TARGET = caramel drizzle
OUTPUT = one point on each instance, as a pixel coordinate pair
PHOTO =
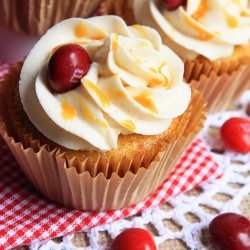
(201, 11)
(101, 96)
(197, 15)
(128, 124)
(243, 13)
(68, 111)
(203, 34)
(232, 21)
(115, 42)
(145, 100)
(90, 116)
(81, 31)
(118, 94)
(142, 30)
(159, 81)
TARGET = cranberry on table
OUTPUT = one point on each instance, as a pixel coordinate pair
(230, 231)
(248, 109)
(235, 133)
(134, 238)
(174, 4)
(68, 64)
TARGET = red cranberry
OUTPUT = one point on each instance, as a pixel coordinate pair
(248, 109)
(235, 133)
(68, 64)
(174, 4)
(134, 238)
(230, 231)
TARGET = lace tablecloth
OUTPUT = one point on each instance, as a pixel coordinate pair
(182, 222)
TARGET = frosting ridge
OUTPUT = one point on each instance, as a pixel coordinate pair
(211, 28)
(133, 85)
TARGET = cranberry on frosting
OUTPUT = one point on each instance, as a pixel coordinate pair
(134, 84)
(67, 66)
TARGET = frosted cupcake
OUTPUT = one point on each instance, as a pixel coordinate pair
(101, 110)
(214, 32)
(211, 36)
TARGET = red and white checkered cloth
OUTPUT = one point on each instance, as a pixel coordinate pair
(26, 216)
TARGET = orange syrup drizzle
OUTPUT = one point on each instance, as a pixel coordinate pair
(232, 21)
(68, 111)
(142, 30)
(201, 11)
(101, 96)
(90, 116)
(81, 31)
(115, 42)
(145, 100)
(129, 125)
(203, 34)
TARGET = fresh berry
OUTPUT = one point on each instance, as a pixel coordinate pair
(68, 64)
(235, 134)
(174, 4)
(134, 238)
(230, 231)
(248, 109)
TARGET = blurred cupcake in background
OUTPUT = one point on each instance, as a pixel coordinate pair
(215, 33)
(22, 22)
(34, 17)
(211, 36)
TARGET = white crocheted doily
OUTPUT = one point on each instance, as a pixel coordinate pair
(190, 213)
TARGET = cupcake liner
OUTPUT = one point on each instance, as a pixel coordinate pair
(97, 185)
(106, 8)
(34, 17)
(221, 90)
(122, 8)
(194, 69)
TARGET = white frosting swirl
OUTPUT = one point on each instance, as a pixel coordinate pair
(134, 85)
(211, 28)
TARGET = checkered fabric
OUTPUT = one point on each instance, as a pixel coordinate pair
(26, 216)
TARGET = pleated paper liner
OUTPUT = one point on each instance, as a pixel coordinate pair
(103, 184)
(221, 91)
(194, 69)
(35, 17)
(122, 8)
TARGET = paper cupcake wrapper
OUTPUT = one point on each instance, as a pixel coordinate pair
(35, 17)
(221, 91)
(75, 185)
(122, 8)
(194, 69)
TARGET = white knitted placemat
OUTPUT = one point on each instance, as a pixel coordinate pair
(186, 216)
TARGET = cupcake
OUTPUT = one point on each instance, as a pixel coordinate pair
(212, 37)
(34, 17)
(100, 115)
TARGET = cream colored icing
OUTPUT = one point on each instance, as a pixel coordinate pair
(134, 85)
(211, 28)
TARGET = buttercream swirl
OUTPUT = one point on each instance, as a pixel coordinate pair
(134, 84)
(211, 28)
